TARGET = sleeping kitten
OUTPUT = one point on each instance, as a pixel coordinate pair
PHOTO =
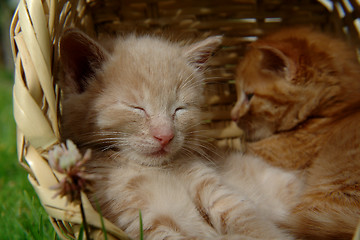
(299, 104)
(138, 108)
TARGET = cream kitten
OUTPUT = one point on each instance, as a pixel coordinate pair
(138, 108)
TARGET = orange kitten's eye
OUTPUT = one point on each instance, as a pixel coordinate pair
(249, 96)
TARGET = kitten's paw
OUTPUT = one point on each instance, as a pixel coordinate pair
(237, 237)
(242, 237)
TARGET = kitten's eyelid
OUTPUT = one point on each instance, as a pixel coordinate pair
(183, 106)
(138, 108)
(249, 96)
(135, 107)
(179, 109)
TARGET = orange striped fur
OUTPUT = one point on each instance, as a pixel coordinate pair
(299, 104)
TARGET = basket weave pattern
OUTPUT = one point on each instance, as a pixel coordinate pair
(38, 24)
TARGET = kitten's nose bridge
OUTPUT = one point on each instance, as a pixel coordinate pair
(241, 107)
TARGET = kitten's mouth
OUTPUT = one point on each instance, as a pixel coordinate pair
(162, 152)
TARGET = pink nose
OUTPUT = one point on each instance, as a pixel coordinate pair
(164, 139)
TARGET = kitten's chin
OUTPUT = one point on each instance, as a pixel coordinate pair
(255, 132)
(160, 153)
(257, 135)
(153, 159)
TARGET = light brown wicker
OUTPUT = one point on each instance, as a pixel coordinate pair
(35, 31)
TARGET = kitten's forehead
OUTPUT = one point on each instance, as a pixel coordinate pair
(147, 49)
(148, 69)
(148, 59)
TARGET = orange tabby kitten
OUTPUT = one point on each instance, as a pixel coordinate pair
(299, 104)
(138, 107)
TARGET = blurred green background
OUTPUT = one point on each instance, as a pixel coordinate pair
(21, 214)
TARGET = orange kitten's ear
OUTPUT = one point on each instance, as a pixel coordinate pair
(198, 53)
(80, 57)
(275, 61)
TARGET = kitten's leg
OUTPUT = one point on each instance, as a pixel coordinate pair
(275, 191)
(167, 211)
(322, 216)
(330, 205)
(228, 212)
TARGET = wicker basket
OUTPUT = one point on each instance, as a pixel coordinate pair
(38, 24)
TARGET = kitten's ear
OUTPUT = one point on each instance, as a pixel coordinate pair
(198, 53)
(80, 57)
(276, 61)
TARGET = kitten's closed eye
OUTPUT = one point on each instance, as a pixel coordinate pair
(140, 110)
(249, 96)
(136, 108)
(179, 110)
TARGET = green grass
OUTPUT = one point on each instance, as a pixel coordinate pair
(21, 214)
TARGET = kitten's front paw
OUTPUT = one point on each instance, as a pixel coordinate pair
(237, 237)
(242, 237)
